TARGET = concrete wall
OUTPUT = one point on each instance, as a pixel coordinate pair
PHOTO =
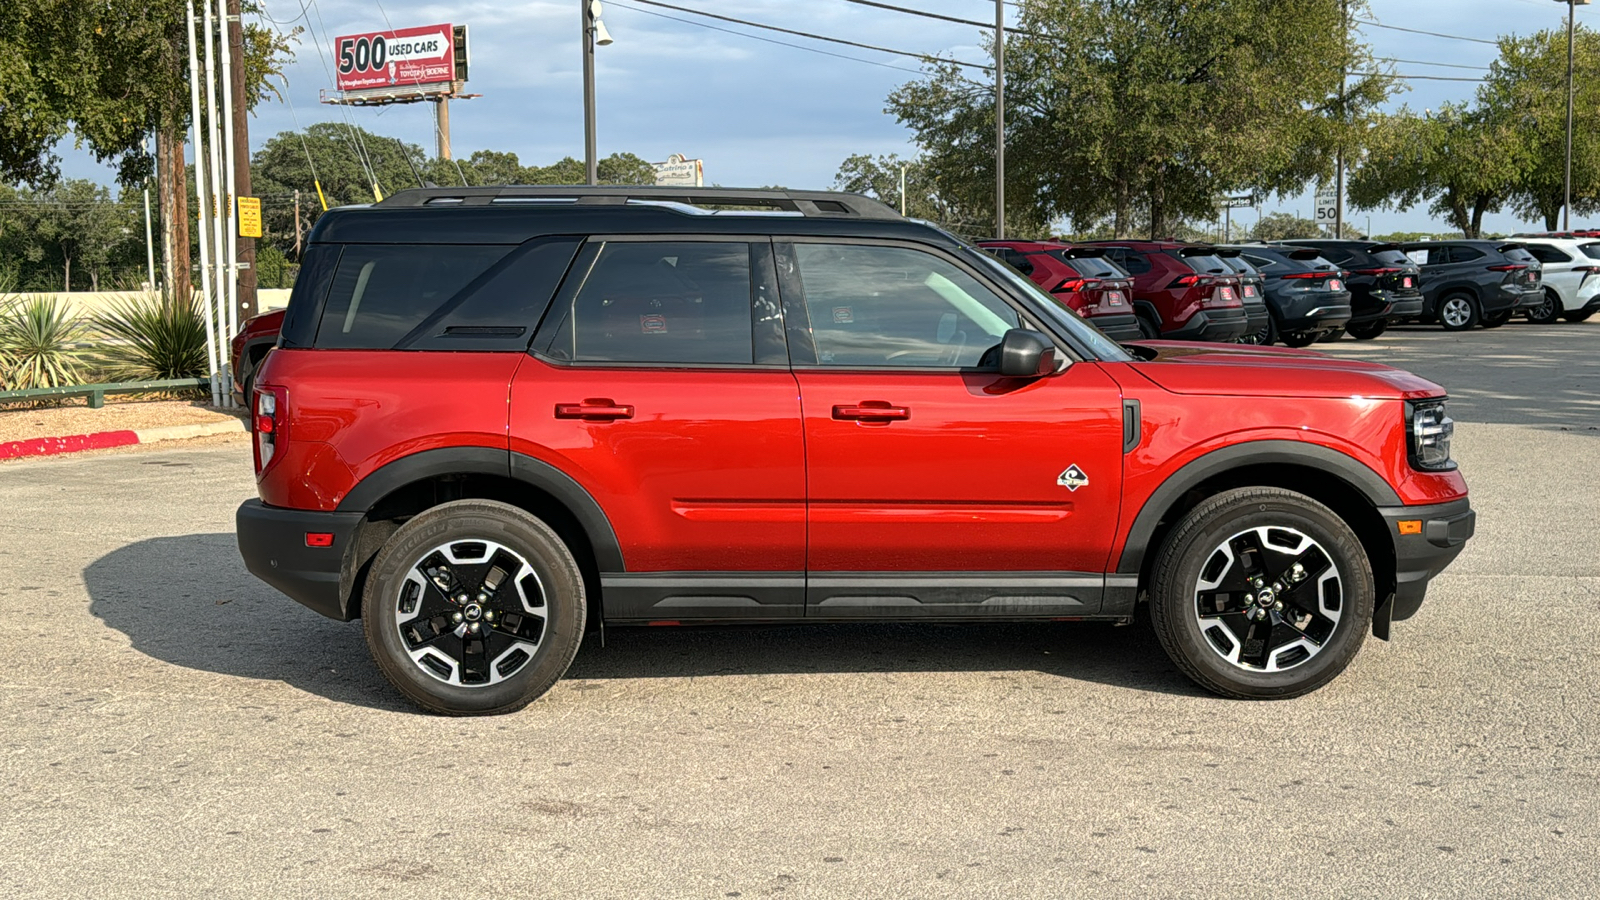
(87, 303)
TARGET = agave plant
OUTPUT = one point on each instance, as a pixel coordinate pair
(37, 334)
(152, 336)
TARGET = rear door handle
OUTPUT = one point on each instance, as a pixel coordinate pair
(871, 411)
(601, 410)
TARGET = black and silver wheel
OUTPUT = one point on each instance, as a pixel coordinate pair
(1548, 311)
(1366, 331)
(1262, 593)
(1301, 338)
(1458, 312)
(474, 607)
(1332, 336)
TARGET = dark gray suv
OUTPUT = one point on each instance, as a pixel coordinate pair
(1467, 283)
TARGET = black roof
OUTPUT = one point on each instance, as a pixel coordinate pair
(513, 214)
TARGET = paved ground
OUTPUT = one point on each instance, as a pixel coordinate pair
(170, 726)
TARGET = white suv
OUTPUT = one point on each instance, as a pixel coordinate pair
(1571, 278)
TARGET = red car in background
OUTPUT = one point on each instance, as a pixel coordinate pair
(1079, 278)
(1181, 292)
(256, 336)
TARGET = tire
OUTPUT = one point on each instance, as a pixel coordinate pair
(1148, 330)
(1221, 544)
(1263, 337)
(1548, 311)
(435, 666)
(1458, 312)
(1332, 336)
(1366, 331)
(1576, 317)
(1496, 320)
(1300, 338)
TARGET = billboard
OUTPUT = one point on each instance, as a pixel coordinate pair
(680, 171)
(404, 57)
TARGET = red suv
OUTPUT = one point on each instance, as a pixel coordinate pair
(496, 417)
(1181, 292)
(1080, 278)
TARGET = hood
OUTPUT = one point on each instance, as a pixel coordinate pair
(1243, 370)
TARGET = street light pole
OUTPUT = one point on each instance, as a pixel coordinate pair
(999, 119)
(594, 34)
(1566, 204)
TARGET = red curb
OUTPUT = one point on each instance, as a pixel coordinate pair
(72, 443)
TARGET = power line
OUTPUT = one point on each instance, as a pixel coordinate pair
(1420, 62)
(929, 57)
(1453, 37)
(1412, 77)
(757, 37)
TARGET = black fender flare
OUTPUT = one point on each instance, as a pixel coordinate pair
(499, 463)
(1352, 471)
(1147, 308)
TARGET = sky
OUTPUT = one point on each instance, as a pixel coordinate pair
(758, 112)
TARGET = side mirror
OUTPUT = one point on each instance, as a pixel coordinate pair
(1026, 354)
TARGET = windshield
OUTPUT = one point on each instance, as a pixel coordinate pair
(1102, 346)
(1395, 257)
(1237, 264)
(1207, 264)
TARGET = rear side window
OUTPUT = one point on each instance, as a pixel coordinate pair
(381, 292)
(1090, 266)
(1546, 253)
(1263, 263)
(1207, 264)
(669, 302)
(1519, 255)
(1131, 260)
(1463, 254)
(1591, 250)
(1337, 254)
(1395, 257)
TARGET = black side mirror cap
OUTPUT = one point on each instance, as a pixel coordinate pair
(1026, 354)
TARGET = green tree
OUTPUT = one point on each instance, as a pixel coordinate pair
(1463, 162)
(1157, 107)
(1284, 226)
(71, 235)
(1525, 92)
(879, 177)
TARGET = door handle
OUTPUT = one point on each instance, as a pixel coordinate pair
(877, 411)
(598, 410)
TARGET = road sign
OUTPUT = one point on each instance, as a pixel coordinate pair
(1327, 206)
(1242, 201)
(680, 171)
(249, 217)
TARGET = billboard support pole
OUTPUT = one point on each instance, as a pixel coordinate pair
(441, 126)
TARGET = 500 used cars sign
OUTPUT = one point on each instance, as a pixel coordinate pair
(400, 58)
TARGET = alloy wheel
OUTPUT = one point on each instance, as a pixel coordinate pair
(1456, 312)
(1268, 599)
(471, 613)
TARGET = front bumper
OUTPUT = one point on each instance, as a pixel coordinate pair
(1443, 531)
(272, 541)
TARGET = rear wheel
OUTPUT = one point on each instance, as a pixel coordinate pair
(1331, 336)
(1366, 331)
(1578, 316)
(1495, 320)
(1262, 593)
(1458, 312)
(1263, 336)
(1148, 329)
(1301, 338)
(474, 607)
(1546, 312)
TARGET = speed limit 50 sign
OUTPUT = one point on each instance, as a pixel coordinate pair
(1327, 205)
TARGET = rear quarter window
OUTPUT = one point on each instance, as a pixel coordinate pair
(381, 292)
(1546, 253)
(1591, 250)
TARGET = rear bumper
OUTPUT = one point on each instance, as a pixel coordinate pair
(272, 541)
(1317, 318)
(1211, 325)
(1120, 328)
(1444, 531)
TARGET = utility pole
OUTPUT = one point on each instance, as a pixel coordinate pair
(149, 239)
(902, 189)
(999, 119)
(246, 256)
(203, 199)
(297, 224)
(1338, 200)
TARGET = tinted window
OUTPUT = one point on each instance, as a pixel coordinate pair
(1394, 257)
(1017, 260)
(381, 292)
(1591, 250)
(1548, 254)
(1133, 261)
(1337, 254)
(1237, 265)
(1090, 266)
(1205, 264)
(1520, 255)
(1464, 254)
(499, 310)
(1263, 263)
(661, 302)
(892, 306)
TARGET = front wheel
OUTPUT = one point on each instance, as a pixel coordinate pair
(1262, 593)
(1548, 311)
(1366, 331)
(474, 607)
(1458, 312)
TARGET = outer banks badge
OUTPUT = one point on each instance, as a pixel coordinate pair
(1073, 478)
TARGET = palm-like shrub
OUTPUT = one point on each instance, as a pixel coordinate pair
(151, 337)
(36, 337)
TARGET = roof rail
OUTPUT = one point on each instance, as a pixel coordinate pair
(807, 203)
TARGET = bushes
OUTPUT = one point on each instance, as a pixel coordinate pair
(38, 335)
(152, 336)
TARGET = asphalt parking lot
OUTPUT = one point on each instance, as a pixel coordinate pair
(171, 726)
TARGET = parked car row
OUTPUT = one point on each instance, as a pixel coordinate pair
(1298, 292)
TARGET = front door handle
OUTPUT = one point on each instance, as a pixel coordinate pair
(594, 410)
(878, 411)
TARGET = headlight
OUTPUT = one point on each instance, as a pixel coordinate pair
(1428, 434)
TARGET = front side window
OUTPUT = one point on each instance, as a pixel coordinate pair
(672, 302)
(894, 306)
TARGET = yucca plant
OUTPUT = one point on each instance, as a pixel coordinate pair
(152, 336)
(36, 337)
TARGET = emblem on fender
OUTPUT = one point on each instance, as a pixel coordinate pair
(1073, 478)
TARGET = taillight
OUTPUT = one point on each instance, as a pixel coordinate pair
(1184, 281)
(1508, 267)
(1379, 272)
(1306, 275)
(271, 421)
(1069, 284)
